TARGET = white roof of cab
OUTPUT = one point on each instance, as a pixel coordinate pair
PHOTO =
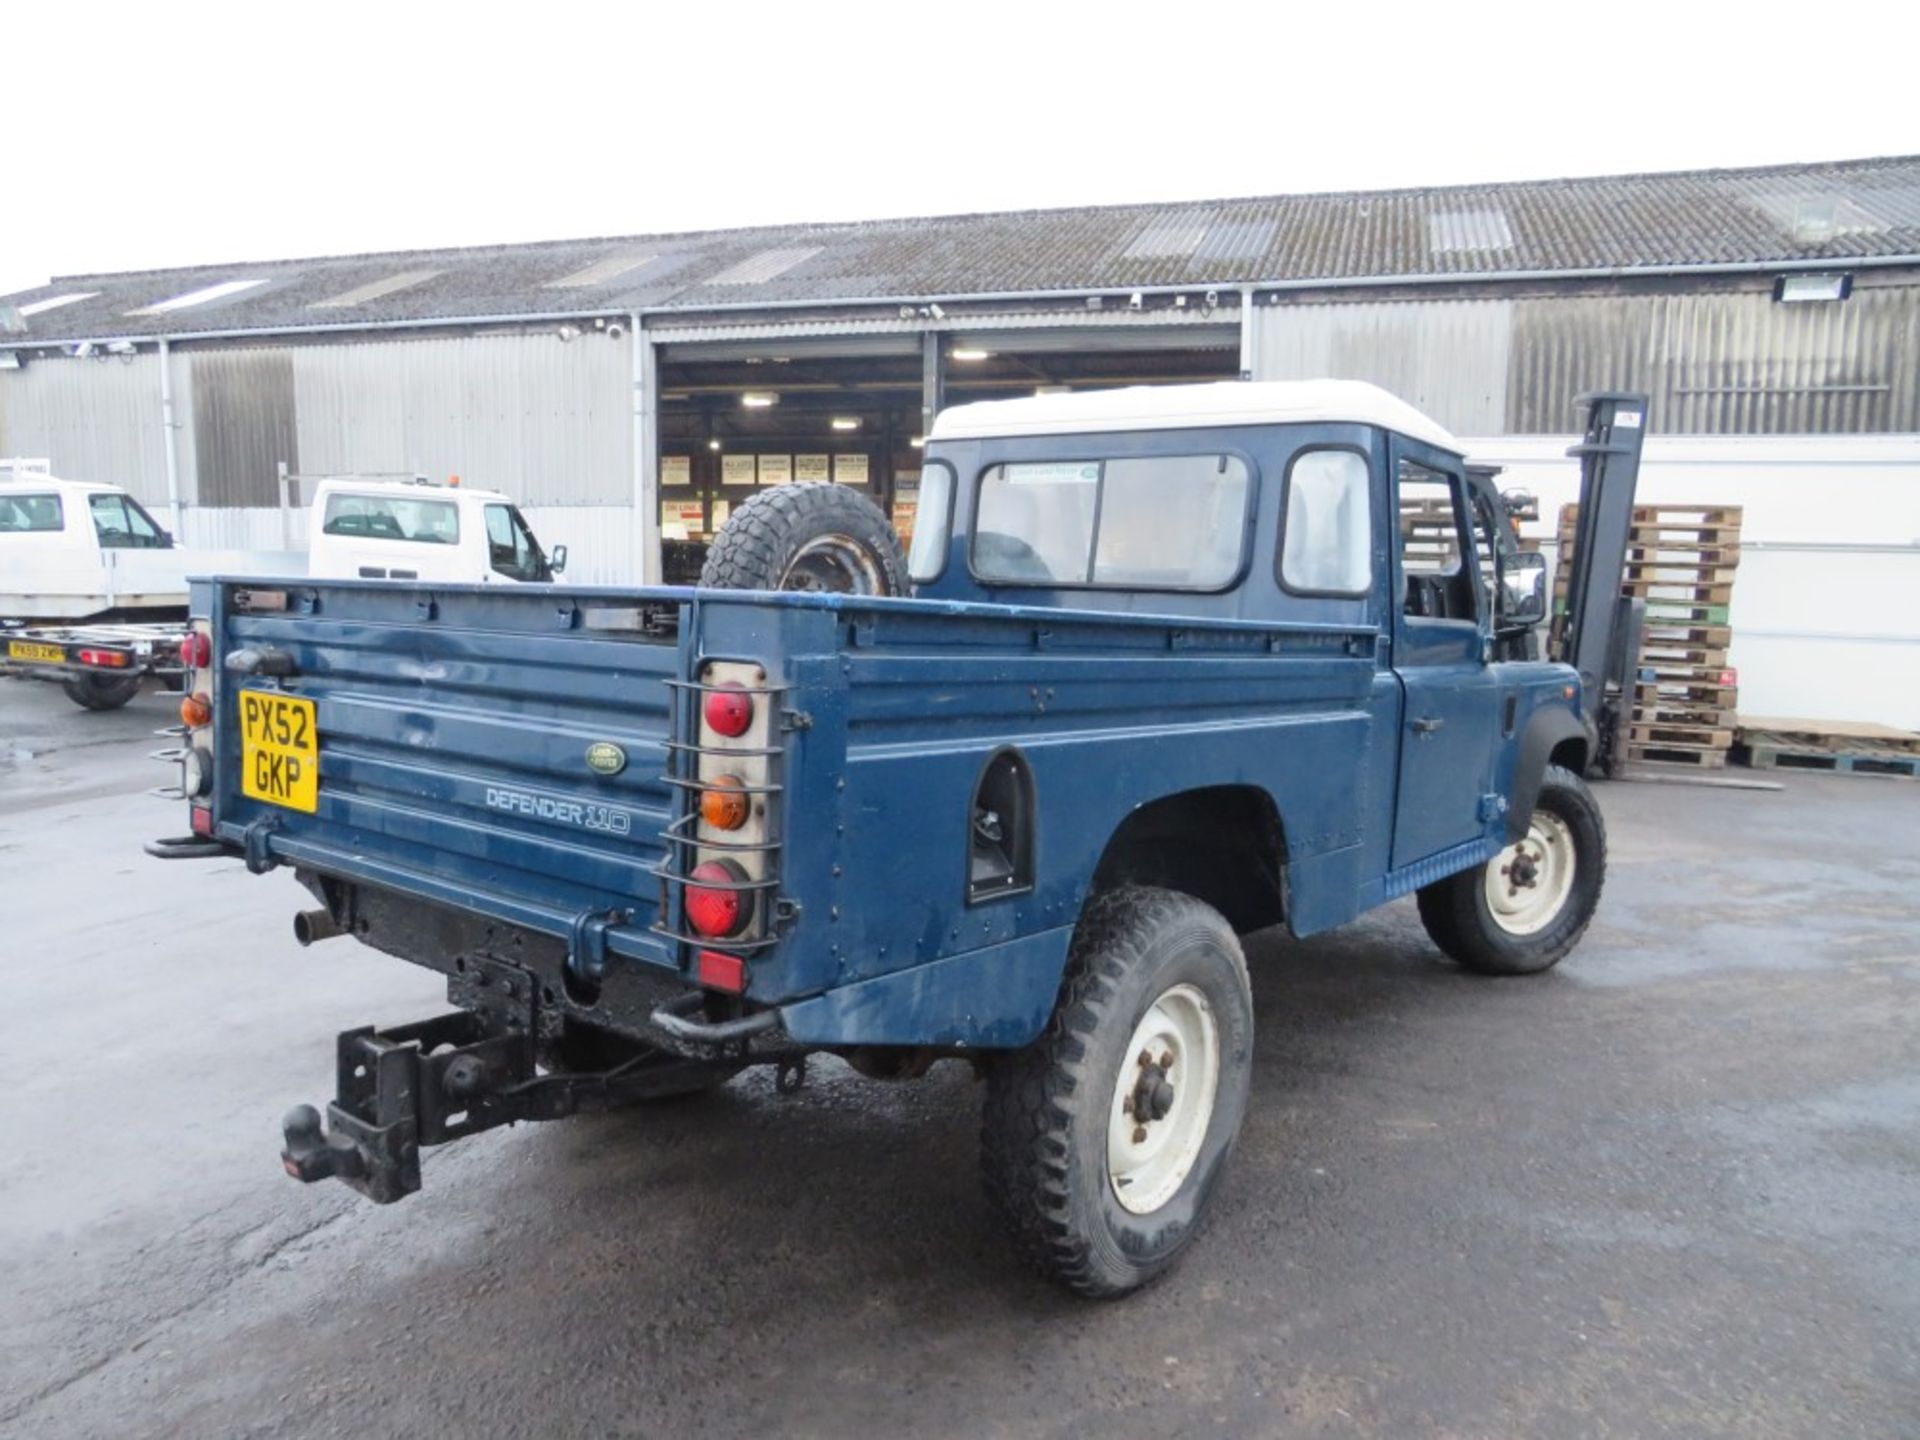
(406, 489)
(42, 484)
(1188, 407)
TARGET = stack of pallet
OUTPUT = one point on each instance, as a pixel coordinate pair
(1681, 561)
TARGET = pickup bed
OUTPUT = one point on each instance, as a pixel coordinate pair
(651, 836)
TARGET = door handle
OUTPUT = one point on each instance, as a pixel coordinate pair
(1427, 724)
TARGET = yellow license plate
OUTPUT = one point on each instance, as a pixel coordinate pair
(279, 750)
(43, 654)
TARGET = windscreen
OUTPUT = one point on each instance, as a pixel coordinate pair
(1159, 522)
(382, 517)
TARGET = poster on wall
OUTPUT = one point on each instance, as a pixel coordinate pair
(682, 519)
(736, 470)
(906, 503)
(676, 469)
(850, 469)
(776, 469)
(721, 509)
(812, 469)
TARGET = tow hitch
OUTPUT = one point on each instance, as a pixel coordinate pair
(452, 1076)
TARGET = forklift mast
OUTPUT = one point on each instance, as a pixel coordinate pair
(1600, 634)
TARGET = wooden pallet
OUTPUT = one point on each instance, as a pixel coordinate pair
(1681, 737)
(1839, 762)
(1836, 735)
(1679, 632)
(1684, 714)
(1666, 755)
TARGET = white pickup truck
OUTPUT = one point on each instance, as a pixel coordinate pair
(93, 591)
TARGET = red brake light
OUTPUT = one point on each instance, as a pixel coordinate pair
(729, 710)
(116, 659)
(202, 820)
(722, 972)
(196, 650)
(715, 911)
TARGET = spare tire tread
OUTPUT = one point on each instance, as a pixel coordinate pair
(760, 538)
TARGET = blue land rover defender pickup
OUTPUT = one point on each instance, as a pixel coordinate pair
(1177, 664)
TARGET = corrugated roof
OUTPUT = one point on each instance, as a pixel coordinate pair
(1844, 211)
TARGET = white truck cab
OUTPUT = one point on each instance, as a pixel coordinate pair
(417, 530)
(70, 550)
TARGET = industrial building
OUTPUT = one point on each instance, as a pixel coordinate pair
(617, 385)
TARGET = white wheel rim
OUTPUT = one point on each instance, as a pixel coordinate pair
(1529, 881)
(1176, 1043)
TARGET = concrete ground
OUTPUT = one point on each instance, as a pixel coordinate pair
(1671, 1189)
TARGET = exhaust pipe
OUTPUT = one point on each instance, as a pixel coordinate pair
(312, 925)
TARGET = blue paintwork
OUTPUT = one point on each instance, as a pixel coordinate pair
(431, 702)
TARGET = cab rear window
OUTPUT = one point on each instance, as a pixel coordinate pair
(23, 513)
(1153, 522)
(380, 517)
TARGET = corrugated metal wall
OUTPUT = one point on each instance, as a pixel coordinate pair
(243, 425)
(95, 419)
(549, 422)
(1715, 364)
(1734, 364)
(1446, 357)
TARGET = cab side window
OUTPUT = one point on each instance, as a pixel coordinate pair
(123, 526)
(1440, 579)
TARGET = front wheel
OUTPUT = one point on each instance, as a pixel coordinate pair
(1525, 909)
(1101, 1140)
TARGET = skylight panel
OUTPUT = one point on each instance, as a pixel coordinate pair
(1453, 232)
(54, 302)
(1170, 237)
(376, 289)
(758, 269)
(605, 270)
(204, 296)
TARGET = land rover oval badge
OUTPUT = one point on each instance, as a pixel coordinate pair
(606, 758)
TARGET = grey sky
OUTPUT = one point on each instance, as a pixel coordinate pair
(196, 133)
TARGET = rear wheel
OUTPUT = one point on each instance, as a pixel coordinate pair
(1103, 1138)
(808, 537)
(101, 692)
(1525, 909)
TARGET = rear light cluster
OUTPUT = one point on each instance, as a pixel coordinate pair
(109, 659)
(725, 888)
(196, 714)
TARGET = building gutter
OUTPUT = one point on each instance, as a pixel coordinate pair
(920, 305)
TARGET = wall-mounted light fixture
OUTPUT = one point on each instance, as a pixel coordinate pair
(1797, 289)
(846, 422)
(759, 400)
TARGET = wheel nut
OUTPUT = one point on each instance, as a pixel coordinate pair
(1146, 1058)
(1166, 1061)
(1139, 1134)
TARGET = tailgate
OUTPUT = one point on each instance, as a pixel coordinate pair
(481, 748)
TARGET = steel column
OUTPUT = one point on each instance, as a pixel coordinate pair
(646, 453)
(168, 450)
(933, 380)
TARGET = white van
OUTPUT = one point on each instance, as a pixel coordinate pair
(79, 552)
(401, 530)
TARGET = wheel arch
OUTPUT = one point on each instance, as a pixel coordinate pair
(1552, 737)
(1222, 844)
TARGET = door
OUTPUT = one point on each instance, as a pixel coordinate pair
(1440, 649)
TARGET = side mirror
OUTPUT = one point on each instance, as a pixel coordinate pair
(557, 562)
(1523, 589)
